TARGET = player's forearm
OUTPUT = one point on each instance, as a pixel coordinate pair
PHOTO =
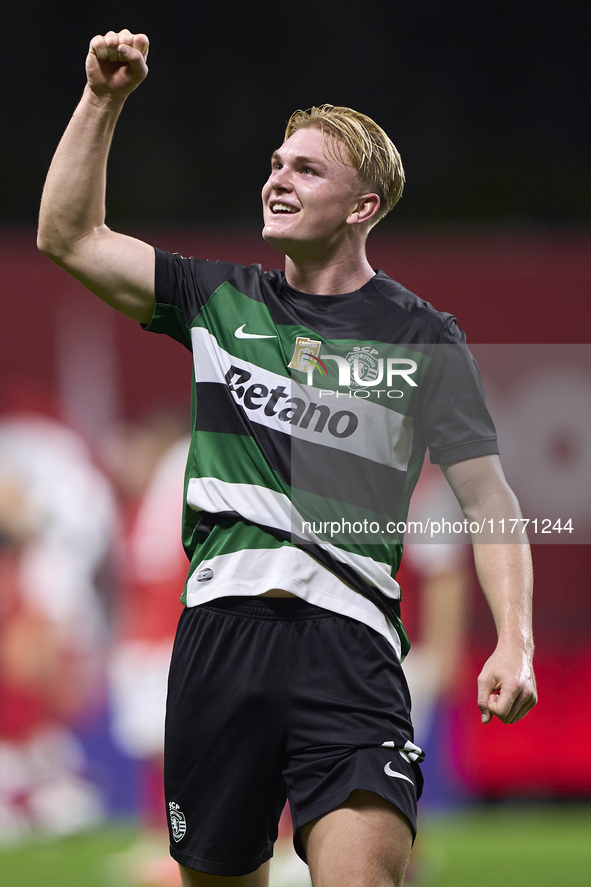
(503, 567)
(506, 685)
(505, 575)
(501, 550)
(73, 202)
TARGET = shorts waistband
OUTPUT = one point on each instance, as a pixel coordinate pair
(271, 608)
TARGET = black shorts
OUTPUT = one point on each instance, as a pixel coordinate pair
(271, 698)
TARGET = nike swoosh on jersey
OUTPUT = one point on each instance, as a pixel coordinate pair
(389, 772)
(240, 334)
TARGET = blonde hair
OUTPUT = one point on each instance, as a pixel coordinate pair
(370, 151)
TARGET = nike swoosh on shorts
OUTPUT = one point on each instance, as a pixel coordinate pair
(389, 772)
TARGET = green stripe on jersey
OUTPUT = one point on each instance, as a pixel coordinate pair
(233, 458)
(228, 310)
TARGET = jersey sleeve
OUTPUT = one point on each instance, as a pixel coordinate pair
(454, 417)
(182, 287)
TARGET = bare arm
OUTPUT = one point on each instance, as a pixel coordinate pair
(72, 230)
(506, 686)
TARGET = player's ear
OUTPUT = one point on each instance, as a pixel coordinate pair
(365, 209)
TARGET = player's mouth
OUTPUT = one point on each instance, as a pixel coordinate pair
(278, 208)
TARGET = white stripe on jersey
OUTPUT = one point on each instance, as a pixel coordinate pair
(262, 506)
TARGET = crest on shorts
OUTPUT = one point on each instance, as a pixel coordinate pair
(178, 823)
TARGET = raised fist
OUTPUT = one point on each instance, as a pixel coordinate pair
(116, 63)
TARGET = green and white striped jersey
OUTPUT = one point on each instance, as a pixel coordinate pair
(311, 416)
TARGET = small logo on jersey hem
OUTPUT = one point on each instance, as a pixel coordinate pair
(240, 334)
(178, 823)
(205, 575)
(389, 772)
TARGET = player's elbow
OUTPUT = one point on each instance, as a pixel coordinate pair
(44, 243)
(49, 251)
(71, 252)
(51, 244)
(59, 240)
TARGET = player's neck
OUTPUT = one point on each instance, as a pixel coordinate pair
(329, 277)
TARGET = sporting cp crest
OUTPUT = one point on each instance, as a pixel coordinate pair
(364, 366)
(304, 350)
(178, 823)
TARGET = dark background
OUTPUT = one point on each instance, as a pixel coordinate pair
(488, 103)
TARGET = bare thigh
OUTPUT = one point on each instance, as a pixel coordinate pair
(365, 842)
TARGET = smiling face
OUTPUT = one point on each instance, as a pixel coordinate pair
(310, 197)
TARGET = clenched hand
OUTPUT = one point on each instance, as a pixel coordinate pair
(116, 63)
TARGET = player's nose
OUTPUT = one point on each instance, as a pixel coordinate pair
(280, 179)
